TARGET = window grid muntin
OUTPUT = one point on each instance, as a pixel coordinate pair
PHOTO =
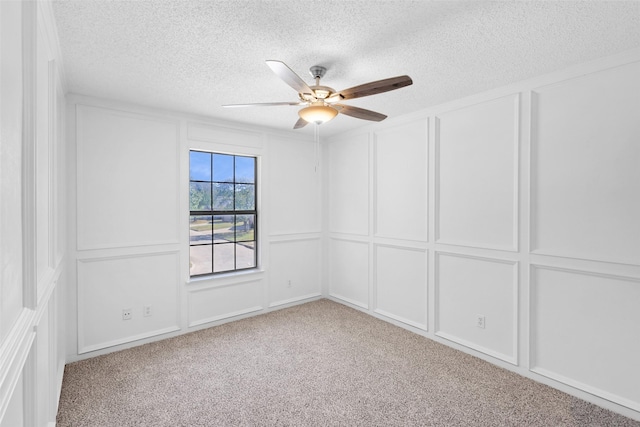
(235, 213)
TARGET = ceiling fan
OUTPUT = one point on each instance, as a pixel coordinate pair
(322, 103)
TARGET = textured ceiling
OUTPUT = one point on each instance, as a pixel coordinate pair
(194, 56)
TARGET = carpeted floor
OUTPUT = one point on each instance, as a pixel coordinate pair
(316, 364)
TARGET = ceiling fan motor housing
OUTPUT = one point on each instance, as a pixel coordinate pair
(317, 71)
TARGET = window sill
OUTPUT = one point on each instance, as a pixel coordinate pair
(223, 276)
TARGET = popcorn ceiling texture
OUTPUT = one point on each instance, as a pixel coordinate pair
(194, 56)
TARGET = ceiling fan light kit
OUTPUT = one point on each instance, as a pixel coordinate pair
(322, 101)
(317, 113)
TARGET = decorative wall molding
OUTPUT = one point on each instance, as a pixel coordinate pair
(224, 135)
(230, 315)
(212, 283)
(126, 256)
(224, 279)
(349, 147)
(82, 322)
(296, 299)
(534, 335)
(587, 388)
(113, 343)
(515, 217)
(14, 352)
(349, 300)
(534, 169)
(422, 121)
(250, 308)
(513, 358)
(79, 175)
(401, 244)
(376, 309)
(274, 239)
(332, 286)
(29, 167)
(344, 237)
(409, 322)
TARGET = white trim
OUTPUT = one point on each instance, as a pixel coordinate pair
(374, 184)
(515, 285)
(295, 299)
(534, 168)
(587, 388)
(14, 352)
(82, 348)
(79, 170)
(349, 300)
(86, 349)
(401, 244)
(374, 304)
(29, 166)
(415, 324)
(225, 316)
(473, 346)
(355, 238)
(533, 333)
(190, 118)
(51, 31)
(200, 283)
(514, 247)
(294, 237)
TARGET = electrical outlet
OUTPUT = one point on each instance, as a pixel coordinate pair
(146, 311)
(480, 321)
(126, 314)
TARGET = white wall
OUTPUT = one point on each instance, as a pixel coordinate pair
(520, 206)
(129, 243)
(32, 208)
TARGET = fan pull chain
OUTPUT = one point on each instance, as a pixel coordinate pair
(316, 135)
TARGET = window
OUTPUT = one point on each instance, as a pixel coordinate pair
(222, 213)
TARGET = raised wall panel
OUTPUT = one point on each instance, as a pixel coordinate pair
(294, 270)
(468, 287)
(106, 286)
(221, 302)
(43, 370)
(60, 177)
(401, 284)
(477, 175)
(224, 135)
(294, 202)
(349, 271)
(44, 149)
(11, 106)
(585, 167)
(401, 181)
(585, 328)
(127, 179)
(14, 414)
(349, 185)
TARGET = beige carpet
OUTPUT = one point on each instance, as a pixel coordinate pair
(317, 364)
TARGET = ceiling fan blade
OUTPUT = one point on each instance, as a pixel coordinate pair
(360, 113)
(292, 79)
(300, 123)
(379, 86)
(264, 104)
